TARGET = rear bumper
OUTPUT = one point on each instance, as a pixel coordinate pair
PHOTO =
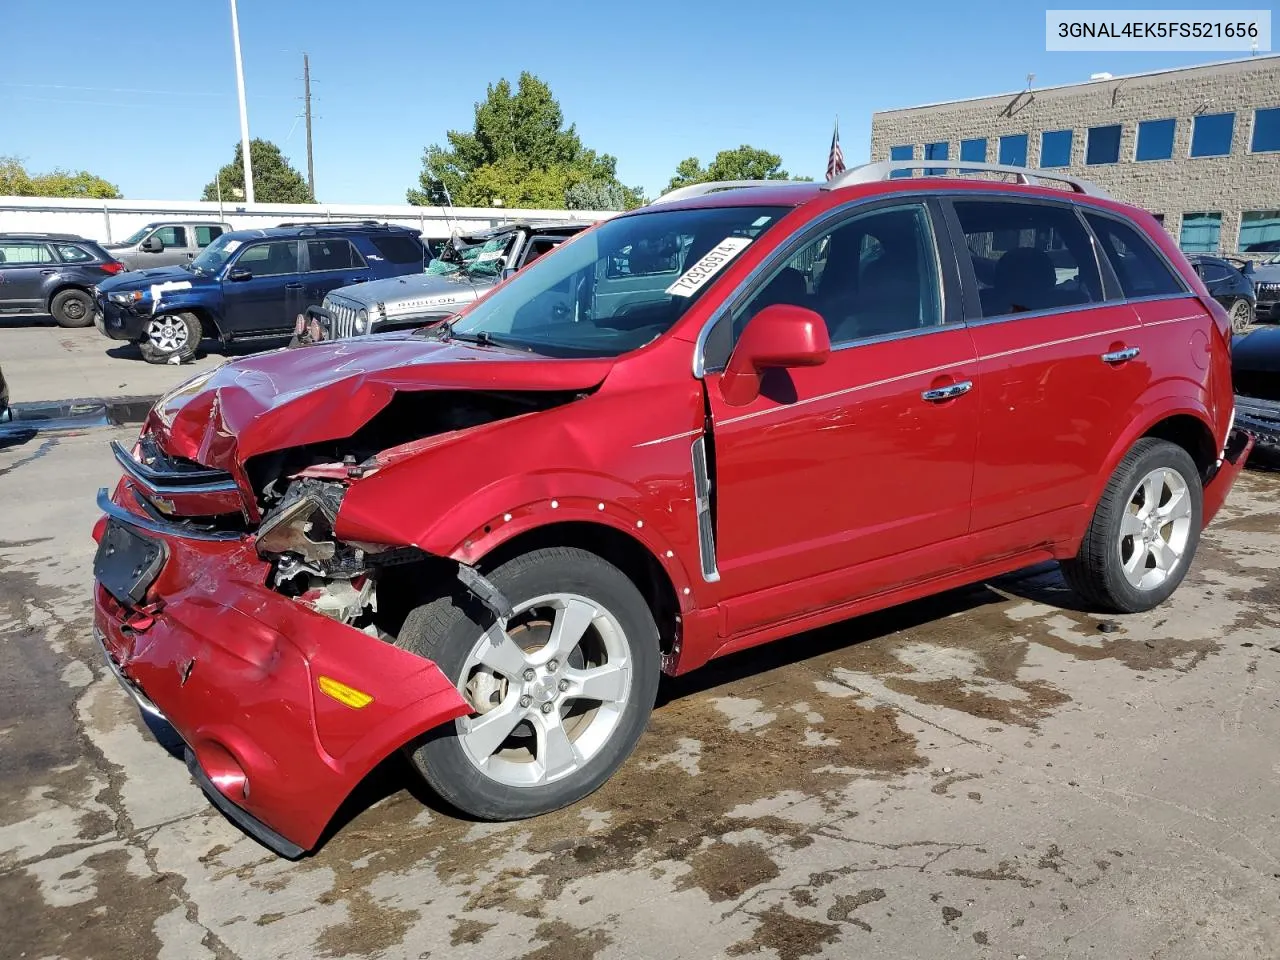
(1239, 445)
(234, 668)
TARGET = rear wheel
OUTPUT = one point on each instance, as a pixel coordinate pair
(559, 696)
(1241, 316)
(72, 308)
(170, 338)
(1144, 532)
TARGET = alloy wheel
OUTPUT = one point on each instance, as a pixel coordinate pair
(168, 334)
(1241, 316)
(1155, 528)
(548, 687)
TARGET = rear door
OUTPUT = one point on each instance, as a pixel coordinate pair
(1061, 363)
(24, 266)
(269, 297)
(853, 477)
(331, 262)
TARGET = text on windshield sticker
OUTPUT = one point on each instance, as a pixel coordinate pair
(696, 276)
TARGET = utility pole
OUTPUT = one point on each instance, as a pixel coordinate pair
(306, 99)
(244, 113)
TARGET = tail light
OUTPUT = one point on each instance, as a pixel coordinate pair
(112, 267)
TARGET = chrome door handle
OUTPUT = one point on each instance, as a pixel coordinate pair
(1120, 356)
(949, 392)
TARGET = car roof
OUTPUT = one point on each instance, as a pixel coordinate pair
(75, 237)
(534, 226)
(320, 229)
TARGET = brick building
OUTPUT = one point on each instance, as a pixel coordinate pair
(1197, 146)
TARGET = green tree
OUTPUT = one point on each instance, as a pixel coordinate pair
(521, 153)
(274, 181)
(15, 181)
(744, 163)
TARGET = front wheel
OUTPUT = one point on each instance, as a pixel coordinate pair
(1144, 532)
(559, 697)
(171, 338)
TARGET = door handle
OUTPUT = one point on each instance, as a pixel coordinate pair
(1120, 356)
(48, 273)
(293, 286)
(949, 392)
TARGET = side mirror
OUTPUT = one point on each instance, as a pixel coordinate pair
(507, 273)
(780, 335)
(239, 274)
(153, 244)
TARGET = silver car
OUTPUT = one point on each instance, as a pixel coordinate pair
(164, 243)
(469, 266)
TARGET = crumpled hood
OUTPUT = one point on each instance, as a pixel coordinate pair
(297, 396)
(146, 279)
(415, 292)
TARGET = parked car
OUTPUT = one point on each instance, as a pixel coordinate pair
(1266, 286)
(731, 416)
(249, 284)
(1230, 285)
(166, 242)
(52, 273)
(1255, 367)
(466, 269)
(5, 413)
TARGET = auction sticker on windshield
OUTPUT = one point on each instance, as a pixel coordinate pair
(696, 276)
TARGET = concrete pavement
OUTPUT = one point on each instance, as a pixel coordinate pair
(986, 774)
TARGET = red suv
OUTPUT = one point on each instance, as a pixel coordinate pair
(739, 413)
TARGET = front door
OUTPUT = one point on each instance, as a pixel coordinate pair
(267, 295)
(332, 262)
(853, 477)
(24, 266)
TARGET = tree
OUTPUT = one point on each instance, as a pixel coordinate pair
(15, 181)
(519, 153)
(744, 163)
(274, 181)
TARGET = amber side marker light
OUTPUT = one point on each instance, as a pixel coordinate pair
(356, 699)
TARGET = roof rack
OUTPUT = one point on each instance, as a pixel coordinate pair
(883, 169)
(715, 186)
(333, 223)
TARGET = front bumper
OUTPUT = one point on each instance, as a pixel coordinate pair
(1268, 311)
(1262, 419)
(117, 321)
(235, 669)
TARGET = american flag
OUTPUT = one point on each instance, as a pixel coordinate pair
(835, 161)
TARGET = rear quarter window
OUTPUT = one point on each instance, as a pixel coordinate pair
(1142, 272)
(398, 248)
(70, 253)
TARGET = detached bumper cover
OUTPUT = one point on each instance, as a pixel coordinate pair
(1239, 445)
(234, 667)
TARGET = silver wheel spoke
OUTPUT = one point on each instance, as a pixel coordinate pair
(1179, 506)
(607, 684)
(571, 623)
(500, 654)
(1137, 562)
(556, 752)
(485, 734)
(1165, 556)
(1131, 524)
(1150, 495)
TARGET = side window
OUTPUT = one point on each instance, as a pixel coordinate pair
(399, 248)
(70, 253)
(206, 235)
(538, 246)
(173, 236)
(270, 259)
(872, 275)
(1141, 271)
(24, 254)
(333, 254)
(648, 257)
(1028, 256)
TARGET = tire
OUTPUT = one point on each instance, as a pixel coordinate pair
(170, 336)
(512, 779)
(1241, 316)
(1120, 567)
(72, 308)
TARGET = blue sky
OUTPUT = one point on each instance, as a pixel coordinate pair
(144, 94)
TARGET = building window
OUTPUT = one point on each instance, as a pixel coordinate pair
(1260, 231)
(935, 151)
(1155, 140)
(1266, 130)
(1055, 148)
(1013, 150)
(974, 151)
(1211, 134)
(1200, 232)
(1103, 145)
(904, 152)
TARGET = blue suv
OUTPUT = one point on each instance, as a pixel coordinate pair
(250, 284)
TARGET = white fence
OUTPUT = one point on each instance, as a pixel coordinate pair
(114, 220)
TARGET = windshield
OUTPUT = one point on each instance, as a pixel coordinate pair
(483, 259)
(618, 286)
(215, 255)
(137, 236)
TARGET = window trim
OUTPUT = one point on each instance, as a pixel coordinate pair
(363, 265)
(827, 221)
(1231, 140)
(1173, 140)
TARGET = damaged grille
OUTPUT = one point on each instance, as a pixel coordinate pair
(177, 487)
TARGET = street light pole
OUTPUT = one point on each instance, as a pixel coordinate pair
(244, 113)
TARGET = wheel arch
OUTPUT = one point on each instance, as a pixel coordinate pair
(209, 326)
(62, 287)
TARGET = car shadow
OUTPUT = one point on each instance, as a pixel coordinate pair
(27, 320)
(241, 348)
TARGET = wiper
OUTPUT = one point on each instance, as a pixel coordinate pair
(481, 337)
